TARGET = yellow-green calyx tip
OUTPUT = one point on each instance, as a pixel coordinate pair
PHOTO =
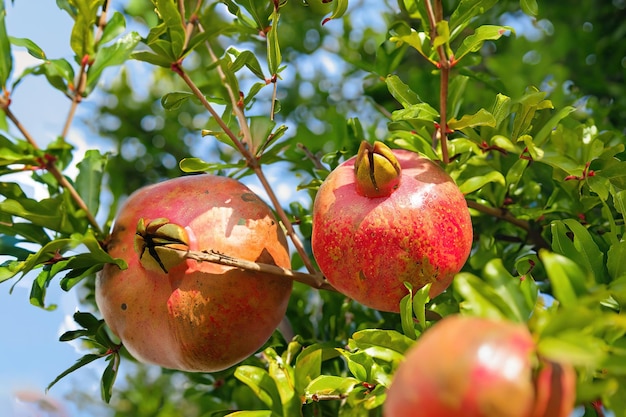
(161, 245)
(377, 170)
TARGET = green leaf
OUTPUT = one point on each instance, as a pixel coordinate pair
(328, 386)
(32, 48)
(388, 345)
(418, 40)
(6, 60)
(477, 182)
(615, 260)
(255, 413)
(579, 248)
(174, 28)
(340, 9)
(402, 92)
(309, 364)
(479, 298)
(566, 277)
(406, 314)
(89, 179)
(465, 12)
(110, 56)
(108, 376)
(113, 28)
(82, 38)
(480, 118)
(474, 42)
(573, 347)
(262, 384)
(152, 58)
(84, 360)
(175, 99)
(247, 59)
(274, 56)
(529, 7)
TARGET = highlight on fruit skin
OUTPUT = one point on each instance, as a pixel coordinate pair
(416, 227)
(184, 314)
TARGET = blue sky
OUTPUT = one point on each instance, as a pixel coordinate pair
(30, 354)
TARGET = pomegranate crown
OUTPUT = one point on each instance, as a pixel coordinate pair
(377, 170)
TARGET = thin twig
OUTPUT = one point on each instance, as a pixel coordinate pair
(500, 214)
(316, 281)
(444, 66)
(56, 173)
(247, 152)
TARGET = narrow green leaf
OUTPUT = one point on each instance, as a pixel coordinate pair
(615, 260)
(108, 376)
(274, 57)
(479, 298)
(566, 277)
(587, 248)
(168, 11)
(89, 179)
(406, 314)
(529, 7)
(82, 37)
(330, 386)
(262, 384)
(110, 56)
(175, 99)
(32, 48)
(481, 118)
(85, 360)
(247, 59)
(402, 92)
(465, 12)
(475, 41)
(340, 9)
(6, 60)
(152, 58)
(418, 40)
(113, 28)
(390, 340)
(477, 182)
(255, 413)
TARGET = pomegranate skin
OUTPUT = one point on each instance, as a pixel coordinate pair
(368, 247)
(199, 316)
(470, 367)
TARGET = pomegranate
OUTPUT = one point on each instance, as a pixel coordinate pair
(183, 314)
(475, 367)
(387, 217)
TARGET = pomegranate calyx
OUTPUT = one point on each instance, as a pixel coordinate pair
(377, 170)
(154, 241)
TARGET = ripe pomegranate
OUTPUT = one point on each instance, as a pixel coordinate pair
(387, 217)
(183, 314)
(475, 367)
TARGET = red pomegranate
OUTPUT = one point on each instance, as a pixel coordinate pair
(189, 315)
(387, 217)
(475, 367)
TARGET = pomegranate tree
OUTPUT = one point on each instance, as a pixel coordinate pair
(386, 217)
(474, 367)
(180, 313)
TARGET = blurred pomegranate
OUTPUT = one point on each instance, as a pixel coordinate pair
(474, 367)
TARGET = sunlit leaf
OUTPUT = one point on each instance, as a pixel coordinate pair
(32, 48)
(475, 41)
(6, 60)
(480, 118)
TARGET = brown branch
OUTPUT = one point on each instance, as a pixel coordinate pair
(534, 235)
(54, 170)
(313, 280)
(246, 151)
(444, 65)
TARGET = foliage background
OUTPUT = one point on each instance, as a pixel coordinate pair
(333, 74)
